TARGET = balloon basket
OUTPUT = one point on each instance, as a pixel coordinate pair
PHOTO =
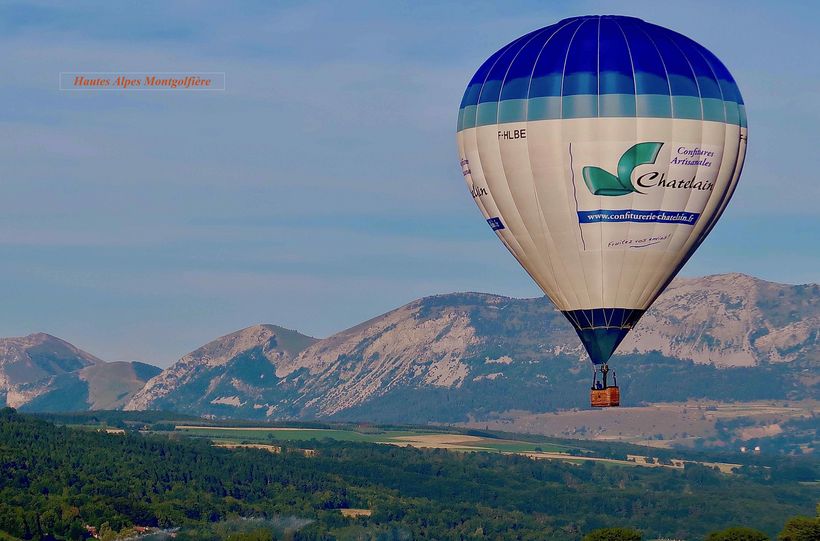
(605, 398)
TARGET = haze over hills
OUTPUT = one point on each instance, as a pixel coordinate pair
(467, 355)
(44, 373)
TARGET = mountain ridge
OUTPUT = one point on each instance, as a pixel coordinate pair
(460, 345)
(450, 357)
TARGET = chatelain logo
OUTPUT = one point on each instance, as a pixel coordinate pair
(602, 182)
(475, 191)
(478, 191)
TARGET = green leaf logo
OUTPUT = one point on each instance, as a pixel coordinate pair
(601, 182)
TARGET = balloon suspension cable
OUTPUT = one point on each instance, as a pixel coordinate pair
(604, 381)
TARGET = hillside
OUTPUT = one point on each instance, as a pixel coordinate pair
(234, 373)
(469, 355)
(56, 480)
(44, 373)
(732, 320)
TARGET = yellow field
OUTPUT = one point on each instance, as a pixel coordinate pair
(250, 428)
(441, 441)
(256, 438)
(355, 513)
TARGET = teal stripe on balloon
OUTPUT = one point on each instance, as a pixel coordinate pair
(686, 107)
(714, 109)
(512, 111)
(580, 106)
(616, 105)
(732, 113)
(487, 113)
(654, 105)
(468, 118)
(602, 105)
(546, 108)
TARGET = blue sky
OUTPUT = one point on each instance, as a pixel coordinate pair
(322, 187)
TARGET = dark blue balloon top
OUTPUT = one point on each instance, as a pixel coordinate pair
(601, 66)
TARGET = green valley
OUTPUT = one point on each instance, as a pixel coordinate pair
(56, 480)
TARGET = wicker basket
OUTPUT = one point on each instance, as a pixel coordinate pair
(604, 398)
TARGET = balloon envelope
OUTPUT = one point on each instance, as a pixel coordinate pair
(602, 150)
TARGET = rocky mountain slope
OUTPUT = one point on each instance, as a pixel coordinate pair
(234, 373)
(44, 373)
(731, 320)
(467, 355)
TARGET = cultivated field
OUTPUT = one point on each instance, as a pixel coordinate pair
(416, 438)
(260, 438)
(658, 425)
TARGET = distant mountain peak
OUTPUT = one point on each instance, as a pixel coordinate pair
(43, 372)
(47, 354)
(254, 352)
(42, 339)
(269, 337)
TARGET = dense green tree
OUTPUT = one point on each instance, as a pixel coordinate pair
(801, 529)
(613, 534)
(738, 533)
(54, 480)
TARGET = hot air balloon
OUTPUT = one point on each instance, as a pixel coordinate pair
(602, 150)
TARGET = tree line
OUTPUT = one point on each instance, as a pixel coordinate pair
(55, 481)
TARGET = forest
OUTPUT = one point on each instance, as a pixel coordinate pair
(56, 481)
